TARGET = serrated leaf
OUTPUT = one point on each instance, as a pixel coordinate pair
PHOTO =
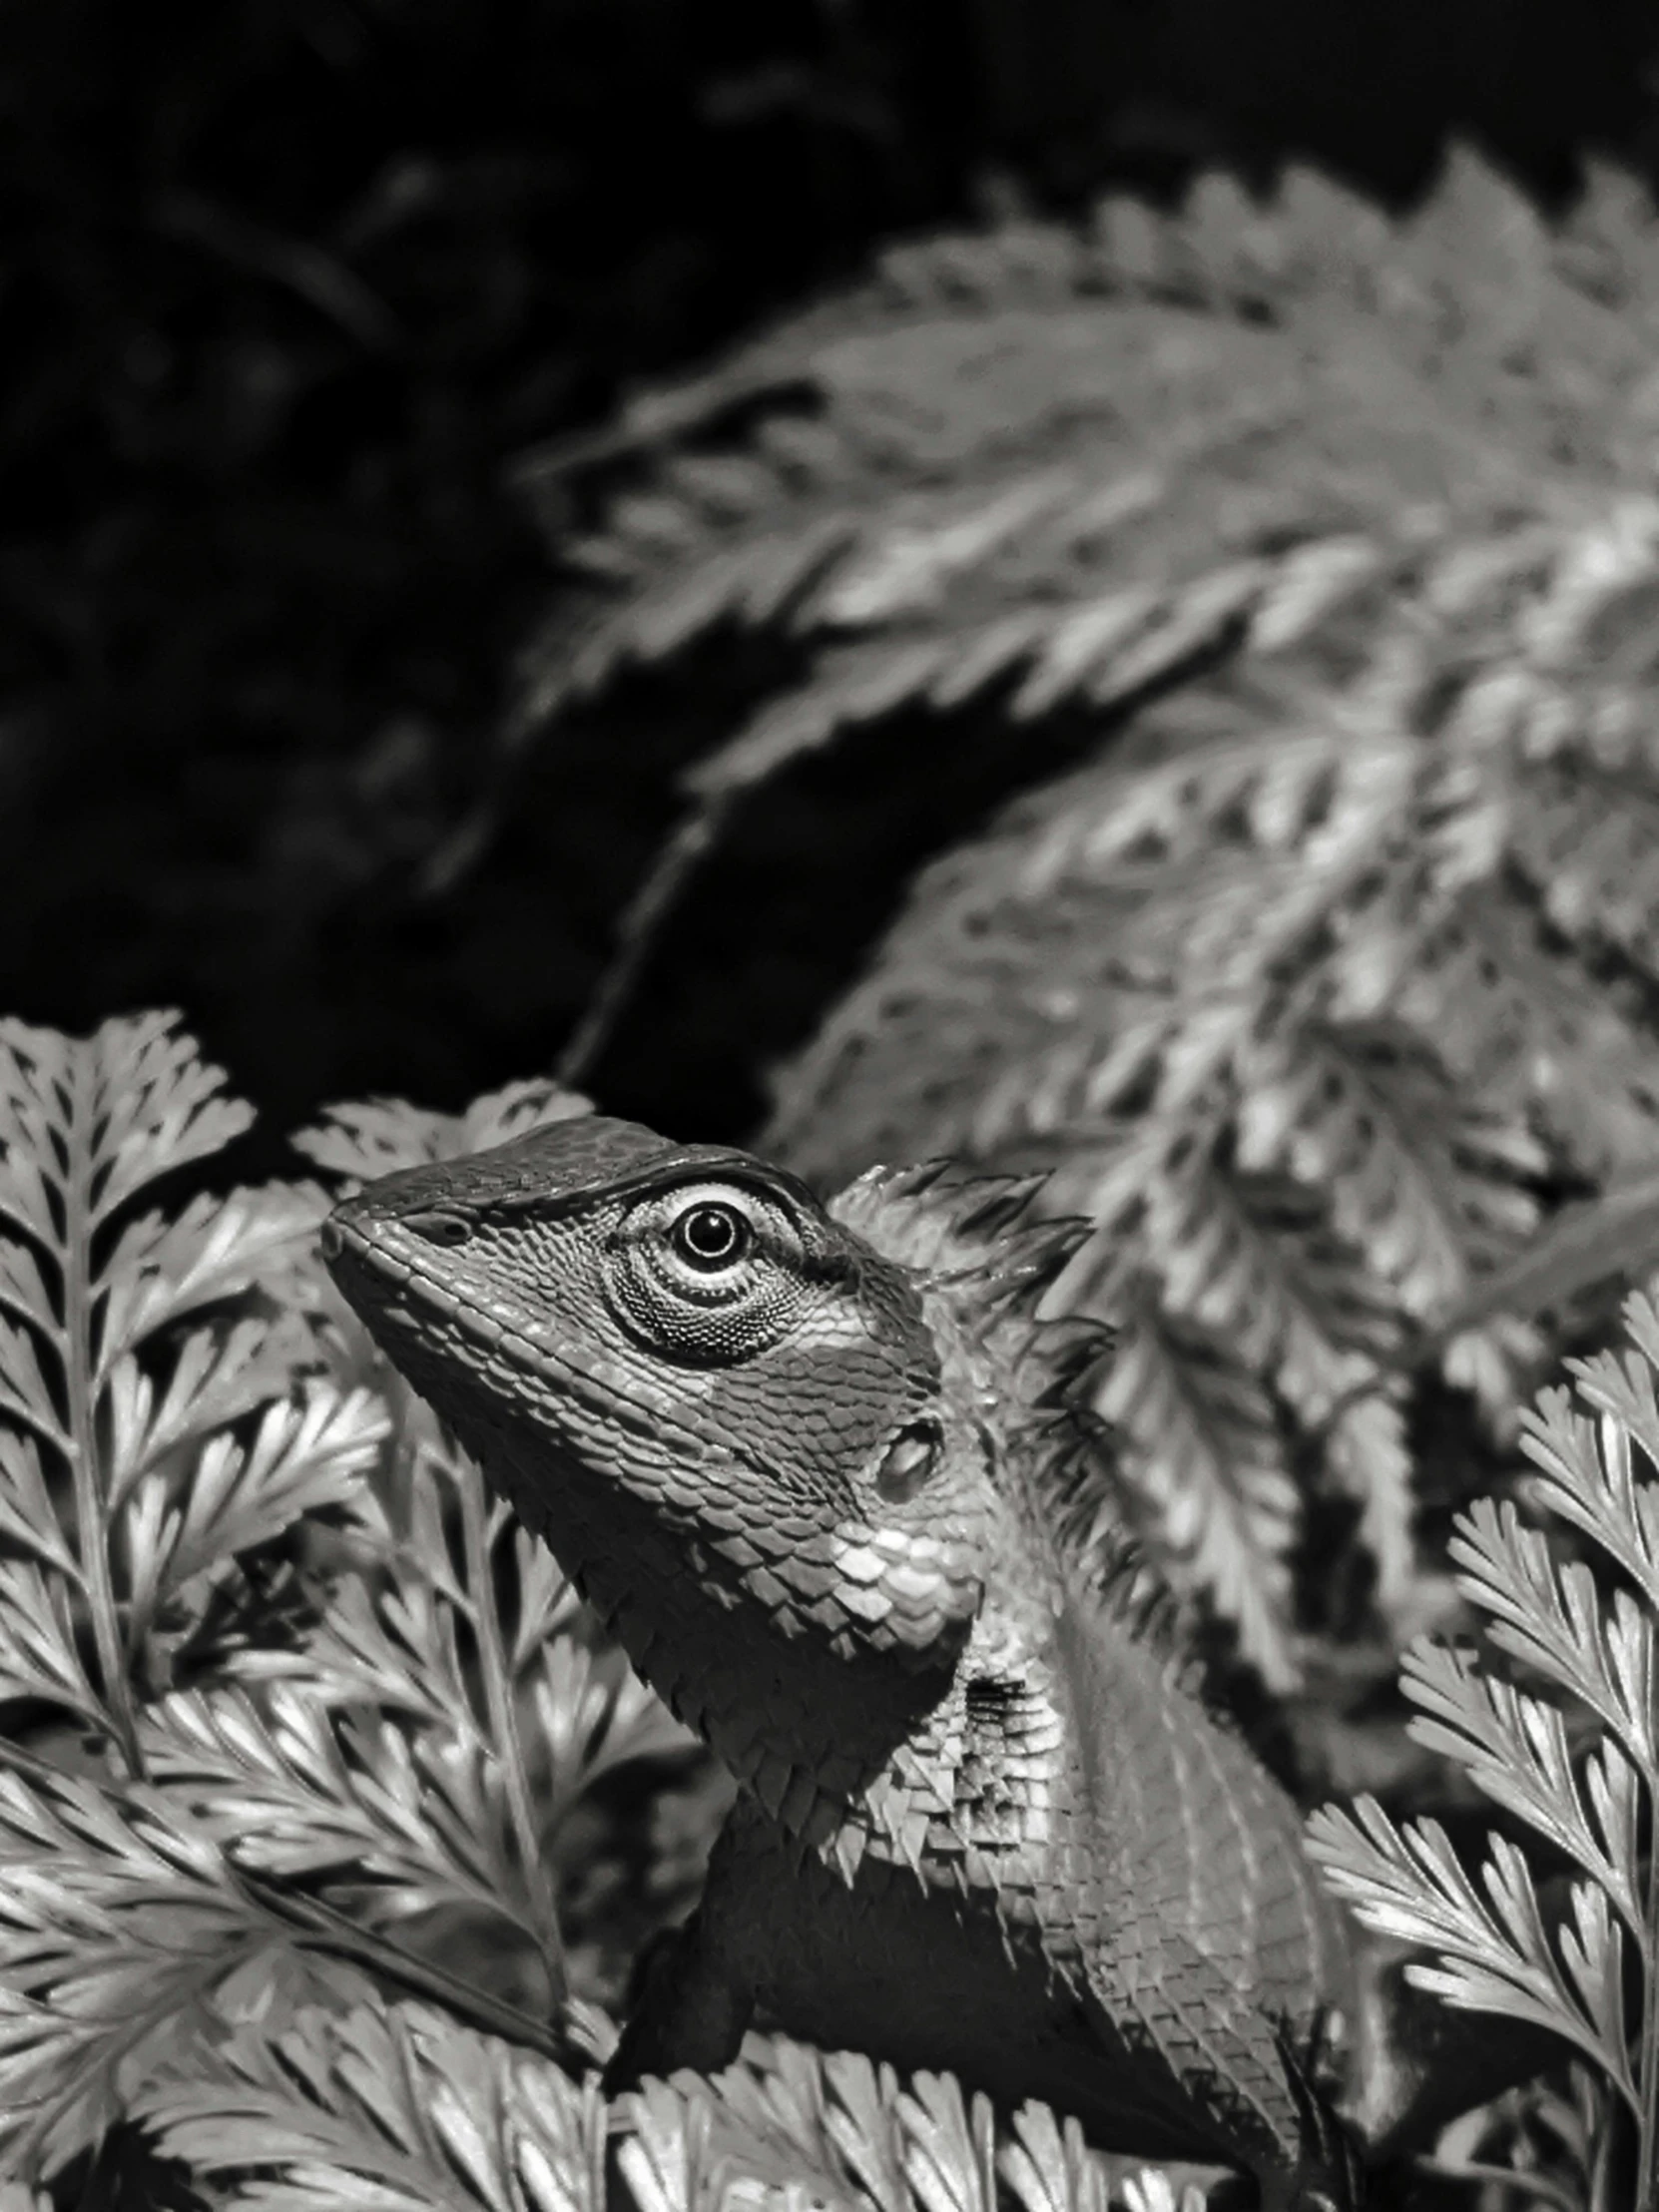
(1493, 1953)
(1209, 1457)
(378, 1136)
(304, 1457)
(94, 1371)
(39, 1657)
(292, 1790)
(1550, 1614)
(117, 1926)
(1515, 1747)
(396, 2109)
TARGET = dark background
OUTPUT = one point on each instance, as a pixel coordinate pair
(288, 284)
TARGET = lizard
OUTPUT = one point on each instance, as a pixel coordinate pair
(817, 1466)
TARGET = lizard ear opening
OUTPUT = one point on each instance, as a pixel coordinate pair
(909, 1461)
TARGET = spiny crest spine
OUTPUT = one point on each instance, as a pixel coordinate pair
(975, 1236)
(972, 1231)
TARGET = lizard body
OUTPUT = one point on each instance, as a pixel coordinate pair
(813, 1469)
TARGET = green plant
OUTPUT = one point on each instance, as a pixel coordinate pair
(302, 1744)
(1327, 978)
(222, 1795)
(303, 1842)
(1579, 1767)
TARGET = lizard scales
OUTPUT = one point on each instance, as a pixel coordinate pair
(812, 1467)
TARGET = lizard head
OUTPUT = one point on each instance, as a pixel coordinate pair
(723, 1410)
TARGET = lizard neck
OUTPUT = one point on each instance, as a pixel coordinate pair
(972, 1800)
(804, 1723)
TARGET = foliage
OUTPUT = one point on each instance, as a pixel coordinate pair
(294, 1753)
(291, 281)
(291, 1712)
(303, 1741)
(400, 2109)
(1329, 974)
(1586, 1630)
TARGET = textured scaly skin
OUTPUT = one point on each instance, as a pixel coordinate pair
(811, 1465)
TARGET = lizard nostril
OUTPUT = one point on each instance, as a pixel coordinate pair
(329, 1240)
(438, 1226)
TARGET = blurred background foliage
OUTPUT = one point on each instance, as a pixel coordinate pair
(293, 286)
(289, 284)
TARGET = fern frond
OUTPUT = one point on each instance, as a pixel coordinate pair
(847, 2131)
(39, 1652)
(1420, 1180)
(295, 1791)
(162, 1269)
(400, 2109)
(1329, 519)
(694, 2150)
(172, 1420)
(402, 1637)
(377, 1136)
(403, 1744)
(1211, 1463)
(1494, 1953)
(1527, 1030)
(1587, 1468)
(125, 1485)
(304, 1456)
(1593, 1640)
(394, 2108)
(1515, 1747)
(1611, 1238)
(420, 1748)
(121, 1930)
(986, 444)
(1550, 1614)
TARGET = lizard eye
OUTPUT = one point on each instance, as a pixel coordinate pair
(707, 1274)
(710, 1235)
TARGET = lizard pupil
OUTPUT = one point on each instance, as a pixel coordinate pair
(710, 1236)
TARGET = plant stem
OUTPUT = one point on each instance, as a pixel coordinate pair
(329, 1931)
(637, 932)
(1647, 2116)
(91, 1517)
(1539, 2186)
(504, 1721)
